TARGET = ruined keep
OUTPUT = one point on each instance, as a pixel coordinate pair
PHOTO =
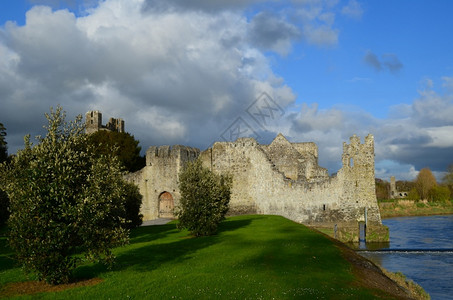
(93, 123)
(281, 178)
(394, 193)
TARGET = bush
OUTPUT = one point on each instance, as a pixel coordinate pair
(65, 201)
(133, 201)
(4, 207)
(205, 198)
(413, 195)
(440, 194)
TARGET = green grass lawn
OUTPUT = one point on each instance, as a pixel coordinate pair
(252, 257)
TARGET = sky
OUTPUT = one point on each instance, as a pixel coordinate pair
(193, 72)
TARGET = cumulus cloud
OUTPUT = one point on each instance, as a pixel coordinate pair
(419, 136)
(200, 5)
(177, 71)
(175, 76)
(183, 72)
(388, 62)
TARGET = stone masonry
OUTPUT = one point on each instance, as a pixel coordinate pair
(281, 178)
(93, 123)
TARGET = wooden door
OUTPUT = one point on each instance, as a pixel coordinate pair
(166, 205)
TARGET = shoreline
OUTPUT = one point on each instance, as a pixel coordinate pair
(413, 208)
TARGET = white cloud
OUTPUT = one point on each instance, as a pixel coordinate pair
(353, 9)
(415, 135)
(448, 83)
(189, 70)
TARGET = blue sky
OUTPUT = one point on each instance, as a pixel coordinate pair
(184, 72)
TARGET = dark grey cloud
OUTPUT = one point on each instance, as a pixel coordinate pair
(391, 62)
(270, 32)
(372, 60)
(388, 62)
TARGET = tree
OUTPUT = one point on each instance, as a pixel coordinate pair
(65, 200)
(382, 189)
(4, 200)
(133, 201)
(205, 198)
(440, 193)
(121, 144)
(448, 178)
(3, 144)
(4, 207)
(424, 182)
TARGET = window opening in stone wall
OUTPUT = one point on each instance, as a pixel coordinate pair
(323, 207)
(351, 162)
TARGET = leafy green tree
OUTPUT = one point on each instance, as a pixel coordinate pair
(205, 198)
(440, 193)
(403, 185)
(448, 178)
(3, 144)
(424, 182)
(4, 200)
(4, 207)
(65, 201)
(133, 201)
(121, 144)
(382, 189)
(413, 194)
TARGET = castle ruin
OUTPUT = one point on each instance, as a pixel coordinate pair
(394, 193)
(281, 178)
(93, 123)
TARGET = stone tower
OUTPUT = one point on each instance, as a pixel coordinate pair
(393, 191)
(115, 125)
(358, 179)
(93, 121)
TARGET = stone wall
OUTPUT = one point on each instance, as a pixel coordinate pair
(282, 178)
(161, 175)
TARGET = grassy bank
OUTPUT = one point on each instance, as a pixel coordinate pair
(257, 257)
(402, 208)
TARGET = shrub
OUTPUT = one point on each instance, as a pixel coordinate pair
(205, 198)
(133, 201)
(440, 194)
(413, 195)
(4, 207)
(65, 201)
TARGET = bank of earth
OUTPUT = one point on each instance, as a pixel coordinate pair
(406, 208)
(258, 257)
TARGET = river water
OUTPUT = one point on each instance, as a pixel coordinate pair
(422, 249)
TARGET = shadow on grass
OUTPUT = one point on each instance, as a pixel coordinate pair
(150, 233)
(152, 256)
(231, 225)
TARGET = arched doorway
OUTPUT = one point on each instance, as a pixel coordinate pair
(166, 205)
